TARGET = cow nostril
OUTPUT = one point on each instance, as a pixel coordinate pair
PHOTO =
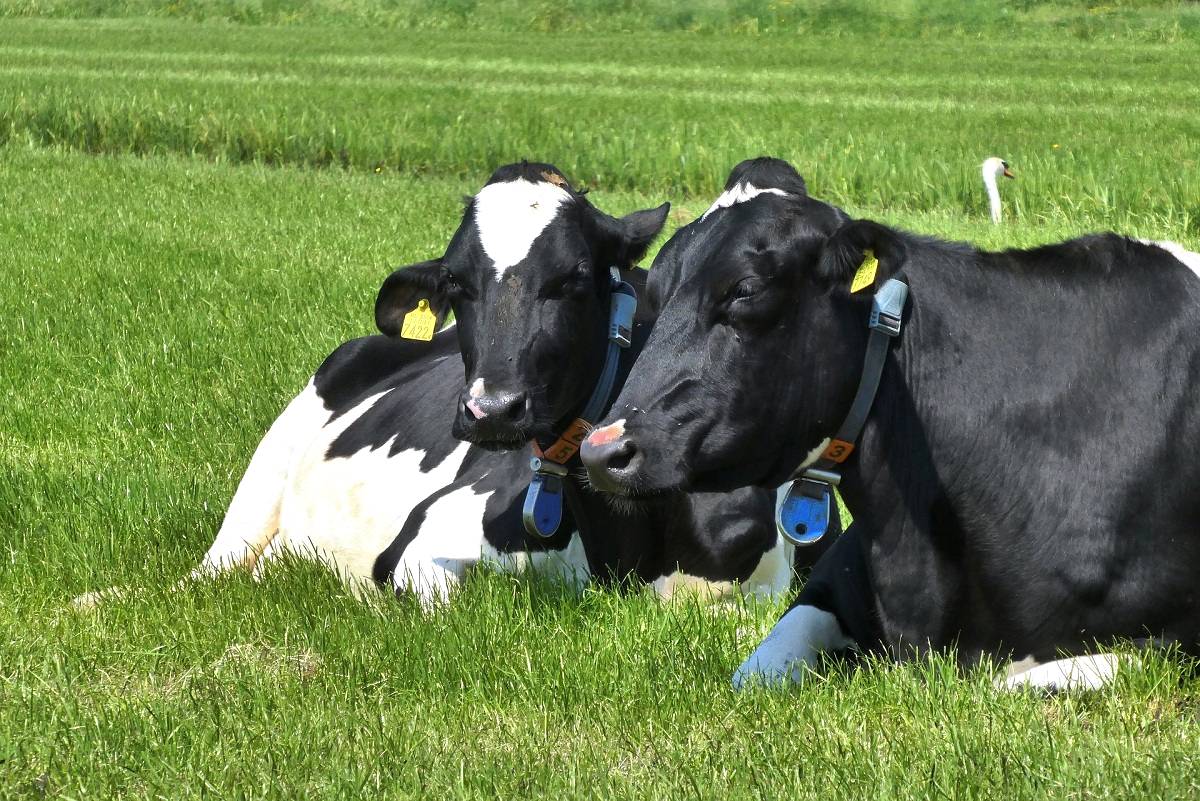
(622, 455)
(516, 407)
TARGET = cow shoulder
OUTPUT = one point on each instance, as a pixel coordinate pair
(356, 366)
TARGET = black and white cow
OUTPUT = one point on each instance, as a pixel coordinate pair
(1026, 483)
(361, 470)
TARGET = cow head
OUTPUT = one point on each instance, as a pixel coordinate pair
(757, 348)
(527, 277)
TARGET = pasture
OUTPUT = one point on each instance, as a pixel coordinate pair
(193, 214)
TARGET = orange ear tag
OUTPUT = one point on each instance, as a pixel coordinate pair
(865, 276)
(419, 323)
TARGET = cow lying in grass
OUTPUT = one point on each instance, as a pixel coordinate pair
(1026, 483)
(362, 471)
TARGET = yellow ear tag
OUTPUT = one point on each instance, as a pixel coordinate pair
(419, 323)
(865, 276)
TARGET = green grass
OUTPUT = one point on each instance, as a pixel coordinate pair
(1149, 20)
(1093, 128)
(166, 290)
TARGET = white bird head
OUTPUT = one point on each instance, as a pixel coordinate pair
(993, 168)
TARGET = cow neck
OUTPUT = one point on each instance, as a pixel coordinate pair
(542, 512)
(802, 516)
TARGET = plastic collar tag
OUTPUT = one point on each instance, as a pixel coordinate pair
(802, 517)
(543, 508)
(620, 318)
(887, 308)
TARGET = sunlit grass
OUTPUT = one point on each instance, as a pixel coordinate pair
(161, 302)
(1094, 129)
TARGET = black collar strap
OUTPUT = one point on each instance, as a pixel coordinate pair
(542, 512)
(803, 514)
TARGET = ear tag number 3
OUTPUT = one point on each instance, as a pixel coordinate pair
(419, 323)
(865, 276)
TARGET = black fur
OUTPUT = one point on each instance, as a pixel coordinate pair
(1026, 482)
(531, 333)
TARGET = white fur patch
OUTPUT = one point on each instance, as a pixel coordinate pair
(568, 565)
(680, 583)
(449, 542)
(812, 456)
(794, 645)
(252, 520)
(511, 215)
(771, 578)
(740, 193)
(773, 575)
(346, 511)
(1074, 673)
(1188, 258)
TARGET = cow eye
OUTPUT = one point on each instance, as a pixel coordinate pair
(746, 288)
(568, 283)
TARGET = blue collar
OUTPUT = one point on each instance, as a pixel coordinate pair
(542, 512)
(802, 516)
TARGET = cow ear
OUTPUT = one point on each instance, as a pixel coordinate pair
(402, 294)
(861, 256)
(630, 236)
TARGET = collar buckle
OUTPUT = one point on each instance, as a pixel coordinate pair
(887, 308)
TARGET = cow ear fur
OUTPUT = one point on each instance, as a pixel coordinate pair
(403, 291)
(844, 252)
(630, 236)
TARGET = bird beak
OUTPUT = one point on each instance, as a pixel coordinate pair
(1008, 173)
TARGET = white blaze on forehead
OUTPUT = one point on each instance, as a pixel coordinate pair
(1190, 260)
(511, 215)
(740, 194)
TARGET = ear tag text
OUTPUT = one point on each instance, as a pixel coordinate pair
(419, 323)
(865, 276)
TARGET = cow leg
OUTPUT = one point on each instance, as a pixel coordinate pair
(1089, 672)
(253, 516)
(793, 647)
(834, 612)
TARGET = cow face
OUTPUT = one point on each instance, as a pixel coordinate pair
(756, 350)
(527, 277)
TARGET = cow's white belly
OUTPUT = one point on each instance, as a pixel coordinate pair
(345, 511)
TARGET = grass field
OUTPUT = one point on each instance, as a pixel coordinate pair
(194, 214)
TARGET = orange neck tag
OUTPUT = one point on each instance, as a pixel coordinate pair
(838, 451)
(568, 444)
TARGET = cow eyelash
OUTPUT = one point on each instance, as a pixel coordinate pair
(454, 287)
(564, 284)
(747, 287)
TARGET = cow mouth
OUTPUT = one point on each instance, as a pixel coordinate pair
(500, 443)
(509, 439)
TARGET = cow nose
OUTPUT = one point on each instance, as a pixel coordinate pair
(492, 417)
(612, 460)
(499, 406)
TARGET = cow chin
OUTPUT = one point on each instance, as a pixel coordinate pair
(491, 438)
